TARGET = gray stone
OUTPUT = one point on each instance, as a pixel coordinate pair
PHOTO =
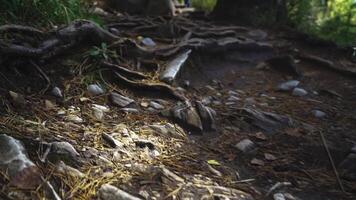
(57, 92)
(299, 92)
(13, 155)
(109, 192)
(187, 115)
(64, 148)
(289, 85)
(207, 116)
(111, 140)
(68, 170)
(120, 100)
(14, 162)
(156, 105)
(148, 42)
(168, 129)
(130, 110)
(95, 89)
(245, 145)
(318, 113)
(279, 196)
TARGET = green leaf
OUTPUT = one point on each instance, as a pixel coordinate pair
(213, 162)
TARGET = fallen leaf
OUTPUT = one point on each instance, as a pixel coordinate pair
(213, 162)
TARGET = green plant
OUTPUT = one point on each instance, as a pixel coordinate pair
(206, 5)
(43, 11)
(101, 52)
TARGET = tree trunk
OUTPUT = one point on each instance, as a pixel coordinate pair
(254, 12)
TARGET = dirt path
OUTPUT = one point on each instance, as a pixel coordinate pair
(135, 148)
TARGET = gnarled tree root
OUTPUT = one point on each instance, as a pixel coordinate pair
(59, 40)
(160, 87)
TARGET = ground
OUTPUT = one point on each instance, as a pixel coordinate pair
(209, 163)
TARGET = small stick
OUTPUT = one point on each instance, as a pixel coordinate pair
(332, 161)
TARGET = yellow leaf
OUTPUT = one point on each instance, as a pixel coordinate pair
(213, 162)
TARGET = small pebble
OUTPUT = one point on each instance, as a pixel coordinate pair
(318, 113)
(57, 92)
(95, 89)
(245, 145)
(289, 85)
(299, 92)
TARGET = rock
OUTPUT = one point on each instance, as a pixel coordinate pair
(187, 116)
(267, 121)
(168, 130)
(285, 64)
(288, 86)
(130, 110)
(156, 105)
(174, 66)
(207, 116)
(258, 162)
(120, 100)
(109, 192)
(111, 140)
(17, 99)
(245, 145)
(95, 90)
(148, 42)
(63, 151)
(318, 113)
(347, 167)
(57, 92)
(14, 162)
(278, 196)
(299, 92)
(68, 170)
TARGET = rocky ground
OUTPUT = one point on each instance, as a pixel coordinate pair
(271, 119)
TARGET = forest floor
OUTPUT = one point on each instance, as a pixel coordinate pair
(148, 155)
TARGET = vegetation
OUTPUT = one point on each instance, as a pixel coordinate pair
(331, 20)
(43, 12)
(207, 5)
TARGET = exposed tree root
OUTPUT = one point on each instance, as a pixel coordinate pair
(78, 32)
(340, 67)
(123, 70)
(12, 28)
(160, 87)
